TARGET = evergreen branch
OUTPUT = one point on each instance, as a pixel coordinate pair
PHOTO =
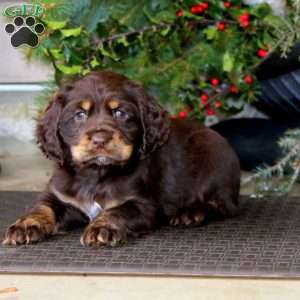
(296, 4)
(271, 52)
(223, 92)
(97, 42)
(132, 11)
(52, 59)
(212, 22)
(278, 166)
(294, 177)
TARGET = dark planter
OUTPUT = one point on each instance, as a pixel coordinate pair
(256, 140)
(280, 86)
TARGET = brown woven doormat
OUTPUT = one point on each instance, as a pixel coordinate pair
(263, 242)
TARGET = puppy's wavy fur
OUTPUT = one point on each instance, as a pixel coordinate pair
(122, 168)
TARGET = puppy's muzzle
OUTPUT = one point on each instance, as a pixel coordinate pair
(101, 138)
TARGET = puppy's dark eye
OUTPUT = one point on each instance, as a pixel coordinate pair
(80, 116)
(119, 114)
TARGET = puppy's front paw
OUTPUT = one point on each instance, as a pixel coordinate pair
(103, 231)
(29, 229)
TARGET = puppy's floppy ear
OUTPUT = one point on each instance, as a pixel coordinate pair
(154, 119)
(47, 130)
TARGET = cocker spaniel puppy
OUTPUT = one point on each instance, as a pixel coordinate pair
(123, 168)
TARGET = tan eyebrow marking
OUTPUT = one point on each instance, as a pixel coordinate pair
(86, 104)
(113, 104)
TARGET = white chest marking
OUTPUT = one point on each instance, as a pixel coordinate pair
(91, 208)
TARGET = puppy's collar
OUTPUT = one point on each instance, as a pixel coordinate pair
(90, 208)
(95, 210)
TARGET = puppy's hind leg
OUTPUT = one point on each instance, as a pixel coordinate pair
(191, 216)
(225, 204)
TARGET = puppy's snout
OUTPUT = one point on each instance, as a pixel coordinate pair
(101, 138)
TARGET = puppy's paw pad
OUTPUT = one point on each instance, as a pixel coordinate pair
(188, 218)
(102, 233)
(25, 231)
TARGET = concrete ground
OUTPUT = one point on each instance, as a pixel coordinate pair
(137, 288)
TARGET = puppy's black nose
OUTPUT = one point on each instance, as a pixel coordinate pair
(99, 139)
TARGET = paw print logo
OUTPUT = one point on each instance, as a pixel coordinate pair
(24, 31)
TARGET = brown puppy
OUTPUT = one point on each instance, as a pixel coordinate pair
(123, 167)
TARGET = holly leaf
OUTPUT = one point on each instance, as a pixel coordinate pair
(123, 41)
(55, 25)
(165, 31)
(57, 54)
(85, 71)
(99, 12)
(109, 54)
(261, 10)
(94, 62)
(71, 32)
(274, 21)
(70, 70)
(167, 16)
(210, 32)
(228, 62)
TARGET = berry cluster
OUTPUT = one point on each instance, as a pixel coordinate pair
(210, 101)
(199, 8)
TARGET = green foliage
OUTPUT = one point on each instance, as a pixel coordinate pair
(174, 56)
(279, 179)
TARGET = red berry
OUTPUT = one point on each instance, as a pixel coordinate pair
(210, 112)
(245, 24)
(215, 81)
(248, 79)
(244, 17)
(218, 104)
(182, 114)
(221, 26)
(262, 53)
(179, 13)
(204, 99)
(233, 89)
(196, 9)
(204, 5)
(173, 117)
(226, 4)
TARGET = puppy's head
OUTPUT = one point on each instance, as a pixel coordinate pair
(104, 119)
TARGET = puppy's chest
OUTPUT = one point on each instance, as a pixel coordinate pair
(92, 198)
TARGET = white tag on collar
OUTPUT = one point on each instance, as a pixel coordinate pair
(91, 209)
(94, 211)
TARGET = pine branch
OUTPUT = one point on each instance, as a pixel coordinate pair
(270, 53)
(294, 177)
(278, 166)
(98, 42)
